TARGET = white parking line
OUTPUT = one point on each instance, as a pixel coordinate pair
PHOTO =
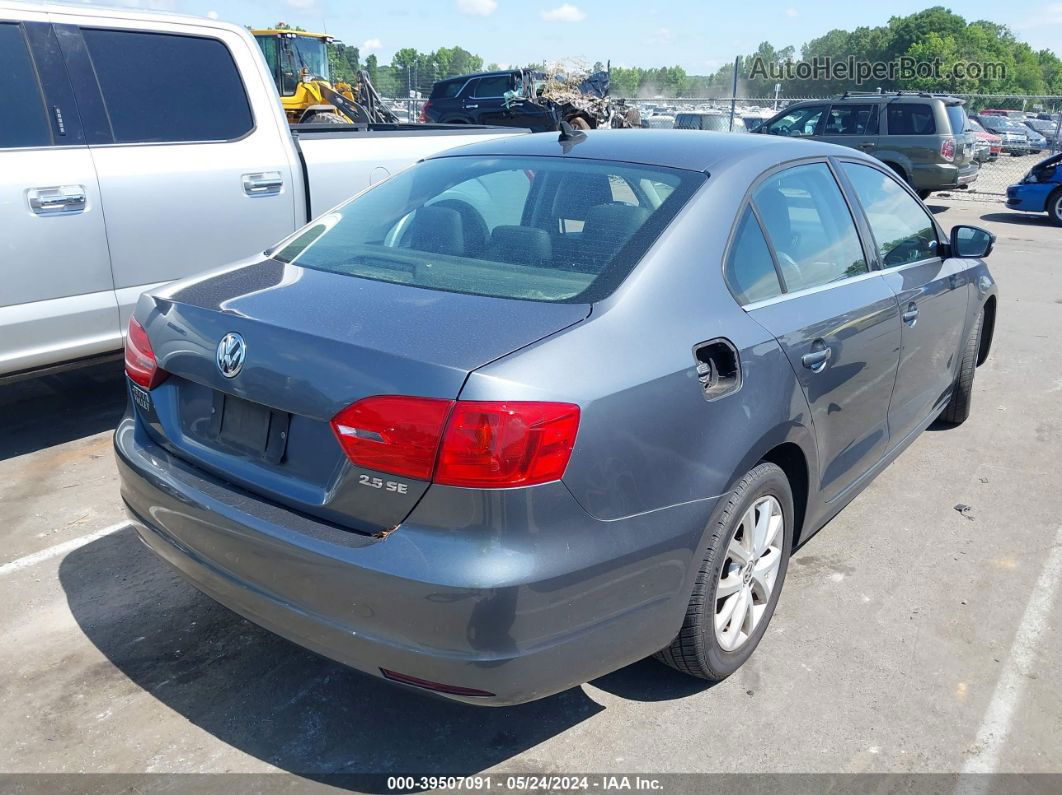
(59, 549)
(1018, 666)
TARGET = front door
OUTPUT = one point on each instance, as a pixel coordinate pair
(56, 294)
(836, 320)
(931, 293)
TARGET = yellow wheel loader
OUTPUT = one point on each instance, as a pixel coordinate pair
(299, 63)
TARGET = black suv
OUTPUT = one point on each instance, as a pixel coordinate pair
(510, 99)
(920, 136)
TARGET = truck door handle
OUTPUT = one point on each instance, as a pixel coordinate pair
(263, 183)
(820, 354)
(471, 106)
(60, 199)
(911, 315)
(866, 147)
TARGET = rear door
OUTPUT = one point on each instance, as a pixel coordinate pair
(854, 125)
(932, 294)
(836, 319)
(56, 294)
(190, 178)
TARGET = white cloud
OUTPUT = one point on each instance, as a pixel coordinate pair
(477, 8)
(372, 44)
(662, 36)
(302, 5)
(792, 12)
(564, 13)
(1050, 14)
(212, 14)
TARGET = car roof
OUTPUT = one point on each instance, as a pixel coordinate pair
(693, 150)
(460, 78)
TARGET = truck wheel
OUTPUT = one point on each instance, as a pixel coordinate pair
(958, 409)
(1054, 207)
(326, 117)
(924, 194)
(739, 580)
(579, 123)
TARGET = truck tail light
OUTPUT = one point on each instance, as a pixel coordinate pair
(424, 112)
(947, 149)
(472, 444)
(140, 363)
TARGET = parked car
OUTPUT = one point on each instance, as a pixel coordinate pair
(989, 145)
(1015, 136)
(1040, 190)
(922, 137)
(175, 157)
(1049, 130)
(706, 120)
(393, 439)
(519, 98)
(658, 121)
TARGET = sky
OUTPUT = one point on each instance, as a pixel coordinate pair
(700, 36)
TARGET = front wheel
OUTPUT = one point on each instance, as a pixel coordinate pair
(1054, 207)
(958, 409)
(739, 580)
(924, 194)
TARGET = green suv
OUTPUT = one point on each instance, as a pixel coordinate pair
(920, 136)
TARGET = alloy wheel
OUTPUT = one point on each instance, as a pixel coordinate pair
(749, 573)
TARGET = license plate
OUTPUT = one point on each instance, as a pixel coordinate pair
(250, 427)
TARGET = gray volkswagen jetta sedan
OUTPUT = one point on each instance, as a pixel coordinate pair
(542, 406)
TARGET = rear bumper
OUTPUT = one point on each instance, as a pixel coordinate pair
(941, 176)
(518, 593)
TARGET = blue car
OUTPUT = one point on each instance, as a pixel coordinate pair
(539, 407)
(1040, 191)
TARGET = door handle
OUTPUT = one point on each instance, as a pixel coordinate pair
(911, 315)
(262, 184)
(866, 147)
(472, 107)
(60, 199)
(820, 354)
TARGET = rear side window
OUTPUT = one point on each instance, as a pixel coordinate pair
(957, 119)
(540, 229)
(852, 120)
(164, 88)
(911, 118)
(903, 231)
(749, 268)
(446, 90)
(23, 119)
(809, 224)
(493, 86)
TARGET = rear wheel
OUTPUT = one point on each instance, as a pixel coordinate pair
(579, 123)
(958, 408)
(924, 194)
(326, 117)
(739, 580)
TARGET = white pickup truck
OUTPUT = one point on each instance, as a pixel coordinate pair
(138, 148)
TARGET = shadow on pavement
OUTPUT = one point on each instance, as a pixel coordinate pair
(285, 705)
(1021, 219)
(53, 409)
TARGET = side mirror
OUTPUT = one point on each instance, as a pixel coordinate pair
(971, 241)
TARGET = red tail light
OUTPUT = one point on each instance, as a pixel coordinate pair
(493, 445)
(140, 364)
(474, 444)
(424, 112)
(947, 149)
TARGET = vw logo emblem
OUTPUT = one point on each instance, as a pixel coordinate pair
(231, 352)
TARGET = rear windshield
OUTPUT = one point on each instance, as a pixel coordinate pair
(541, 229)
(957, 117)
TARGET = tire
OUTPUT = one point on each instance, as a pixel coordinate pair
(958, 408)
(697, 650)
(326, 117)
(579, 123)
(1054, 207)
(924, 194)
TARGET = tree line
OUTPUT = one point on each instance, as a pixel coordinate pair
(935, 35)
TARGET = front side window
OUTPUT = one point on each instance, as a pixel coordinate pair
(911, 118)
(903, 231)
(160, 87)
(852, 120)
(814, 237)
(541, 229)
(799, 122)
(749, 267)
(23, 120)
